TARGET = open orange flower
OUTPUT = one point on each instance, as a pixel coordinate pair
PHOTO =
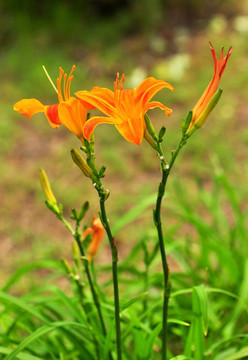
(125, 108)
(97, 232)
(69, 111)
(219, 67)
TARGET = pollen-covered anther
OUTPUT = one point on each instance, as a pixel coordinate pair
(161, 157)
(119, 83)
(167, 167)
(66, 84)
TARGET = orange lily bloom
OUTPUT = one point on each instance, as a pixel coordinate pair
(97, 232)
(124, 108)
(69, 111)
(219, 67)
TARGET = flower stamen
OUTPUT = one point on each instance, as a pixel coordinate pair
(68, 85)
(59, 79)
(49, 78)
(64, 87)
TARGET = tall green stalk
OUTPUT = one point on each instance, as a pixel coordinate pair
(103, 195)
(114, 253)
(77, 236)
(166, 169)
(155, 141)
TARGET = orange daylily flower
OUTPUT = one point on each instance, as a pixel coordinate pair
(125, 108)
(97, 232)
(219, 67)
(69, 111)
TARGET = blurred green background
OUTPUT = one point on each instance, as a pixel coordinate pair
(164, 39)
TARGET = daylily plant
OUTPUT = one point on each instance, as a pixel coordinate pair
(69, 111)
(125, 108)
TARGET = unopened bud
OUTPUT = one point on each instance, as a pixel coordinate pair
(76, 254)
(186, 122)
(81, 163)
(66, 266)
(150, 127)
(161, 133)
(106, 194)
(200, 121)
(83, 210)
(46, 187)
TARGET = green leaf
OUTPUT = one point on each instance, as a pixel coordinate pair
(135, 212)
(241, 354)
(181, 357)
(21, 304)
(151, 339)
(179, 322)
(240, 305)
(202, 296)
(195, 341)
(46, 264)
(21, 355)
(132, 301)
(198, 324)
(38, 333)
(108, 341)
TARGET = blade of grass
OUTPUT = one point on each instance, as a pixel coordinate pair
(38, 333)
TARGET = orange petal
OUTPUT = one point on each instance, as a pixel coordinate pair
(105, 94)
(154, 104)
(94, 121)
(87, 232)
(99, 100)
(73, 115)
(29, 107)
(148, 88)
(52, 115)
(132, 130)
(86, 105)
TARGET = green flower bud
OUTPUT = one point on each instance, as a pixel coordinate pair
(51, 201)
(81, 163)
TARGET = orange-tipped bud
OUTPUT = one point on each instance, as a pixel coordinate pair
(97, 232)
(200, 121)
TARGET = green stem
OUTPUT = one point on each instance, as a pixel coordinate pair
(103, 194)
(166, 169)
(114, 253)
(81, 297)
(146, 274)
(77, 237)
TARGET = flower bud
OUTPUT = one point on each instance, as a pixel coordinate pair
(66, 266)
(186, 122)
(161, 133)
(81, 163)
(46, 187)
(200, 121)
(150, 127)
(76, 254)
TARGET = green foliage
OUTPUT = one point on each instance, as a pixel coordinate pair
(205, 321)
